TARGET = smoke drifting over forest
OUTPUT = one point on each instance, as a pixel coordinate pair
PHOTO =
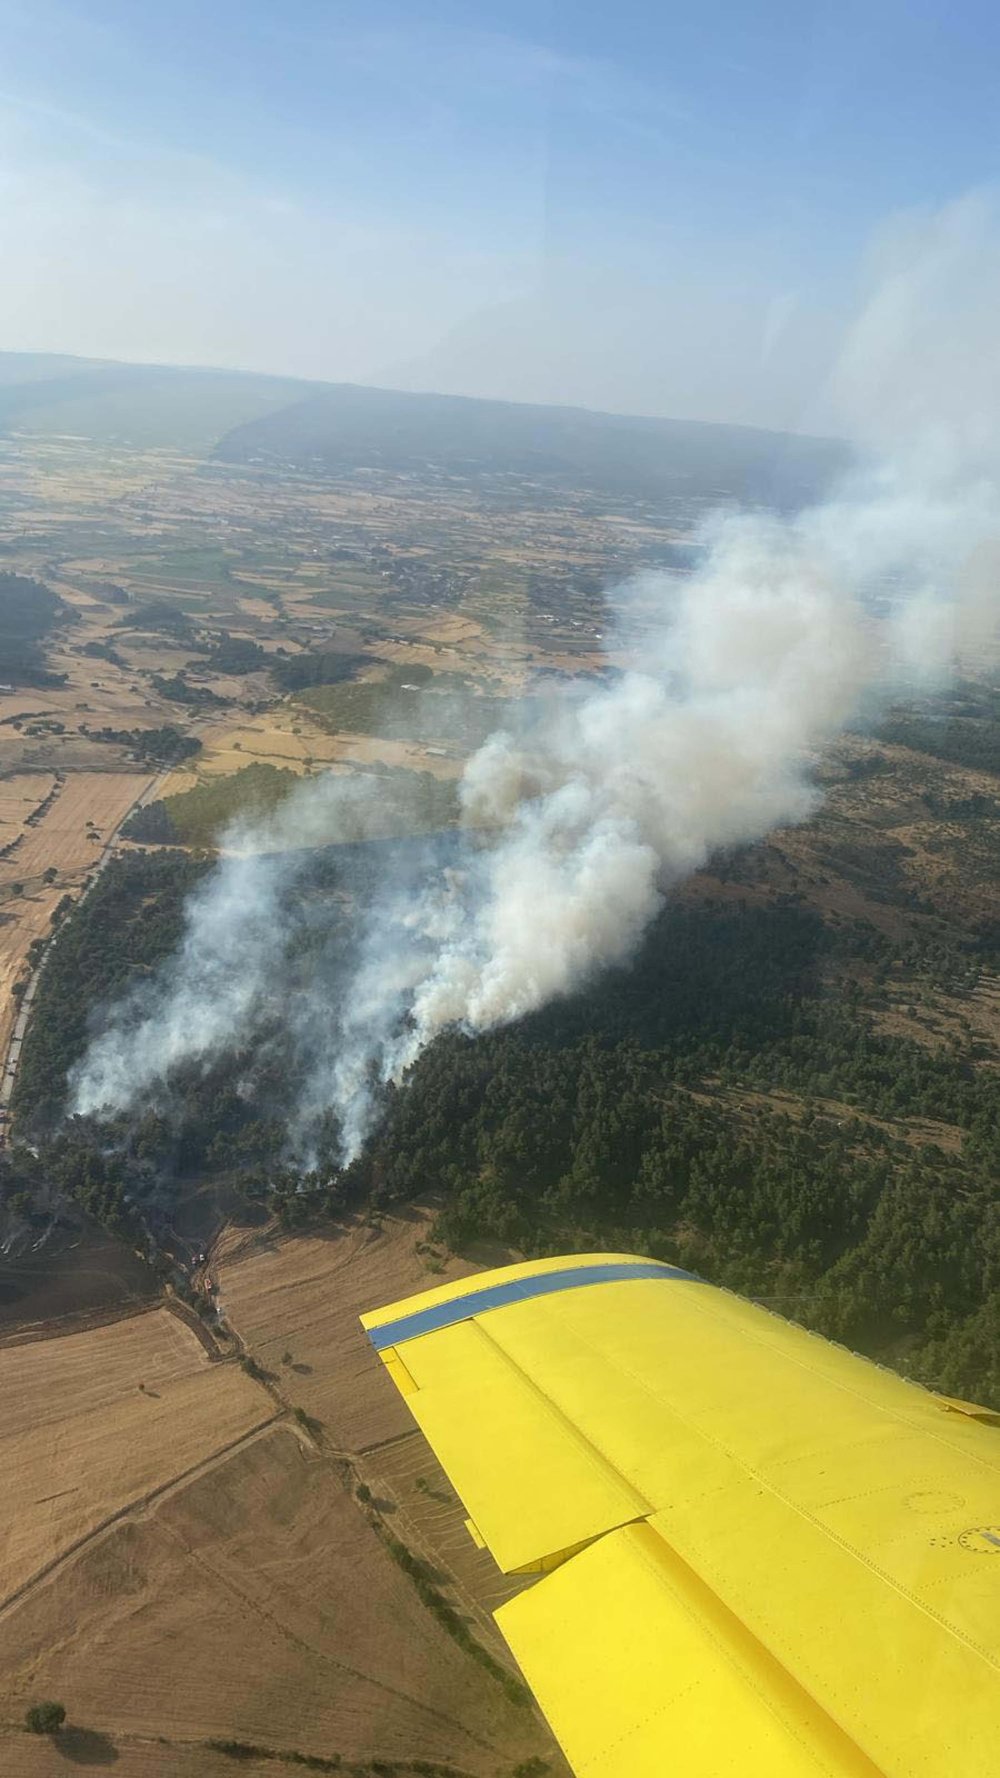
(581, 814)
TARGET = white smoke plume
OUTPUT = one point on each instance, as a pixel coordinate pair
(580, 818)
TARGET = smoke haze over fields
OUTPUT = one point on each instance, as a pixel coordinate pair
(580, 815)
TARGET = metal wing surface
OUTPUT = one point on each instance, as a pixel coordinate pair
(757, 1554)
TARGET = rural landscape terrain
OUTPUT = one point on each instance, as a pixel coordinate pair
(225, 1546)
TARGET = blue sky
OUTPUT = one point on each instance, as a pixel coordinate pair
(654, 207)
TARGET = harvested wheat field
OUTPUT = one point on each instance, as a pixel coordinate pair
(290, 738)
(20, 796)
(69, 836)
(79, 821)
(176, 783)
(269, 738)
(302, 1295)
(296, 1302)
(23, 918)
(79, 1439)
(256, 1603)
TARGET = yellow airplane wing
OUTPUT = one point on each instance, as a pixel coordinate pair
(757, 1554)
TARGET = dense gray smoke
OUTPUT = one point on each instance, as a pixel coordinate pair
(579, 817)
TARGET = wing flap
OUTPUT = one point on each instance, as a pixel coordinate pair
(642, 1672)
(838, 1523)
(532, 1482)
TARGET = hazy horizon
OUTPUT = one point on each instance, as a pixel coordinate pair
(69, 359)
(632, 212)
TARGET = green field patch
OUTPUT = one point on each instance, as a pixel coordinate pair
(197, 817)
(345, 589)
(159, 587)
(205, 563)
(406, 704)
(354, 576)
(365, 709)
(407, 803)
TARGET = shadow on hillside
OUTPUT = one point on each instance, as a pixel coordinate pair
(85, 1747)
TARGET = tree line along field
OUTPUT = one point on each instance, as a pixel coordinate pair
(25, 922)
(21, 795)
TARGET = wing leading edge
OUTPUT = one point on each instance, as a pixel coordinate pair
(759, 1554)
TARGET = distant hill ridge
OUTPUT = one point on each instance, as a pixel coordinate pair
(347, 425)
(145, 405)
(242, 417)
